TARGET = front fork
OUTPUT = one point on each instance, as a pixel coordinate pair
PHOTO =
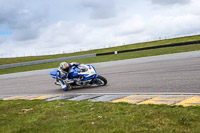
(94, 79)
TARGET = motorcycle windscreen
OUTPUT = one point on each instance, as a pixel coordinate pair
(83, 68)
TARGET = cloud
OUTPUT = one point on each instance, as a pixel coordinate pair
(132, 25)
(173, 25)
(72, 36)
(170, 2)
(22, 19)
(100, 9)
(53, 27)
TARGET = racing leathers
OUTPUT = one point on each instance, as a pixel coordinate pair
(66, 77)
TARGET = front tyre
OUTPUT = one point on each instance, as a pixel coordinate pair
(101, 81)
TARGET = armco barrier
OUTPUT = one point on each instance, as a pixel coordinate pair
(153, 47)
(45, 61)
(108, 53)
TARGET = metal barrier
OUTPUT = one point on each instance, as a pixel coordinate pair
(152, 47)
(45, 61)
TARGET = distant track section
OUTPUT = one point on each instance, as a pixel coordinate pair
(94, 55)
(45, 61)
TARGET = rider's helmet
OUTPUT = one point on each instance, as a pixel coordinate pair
(64, 66)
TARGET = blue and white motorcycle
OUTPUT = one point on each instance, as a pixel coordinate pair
(81, 76)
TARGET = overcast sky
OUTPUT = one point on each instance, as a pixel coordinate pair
(33, 27)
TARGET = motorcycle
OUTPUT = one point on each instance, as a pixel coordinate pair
(82, 75)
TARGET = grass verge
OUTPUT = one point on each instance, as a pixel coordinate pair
(84, 116)
(122, 56)
(118, 48)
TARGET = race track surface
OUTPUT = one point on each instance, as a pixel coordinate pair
(174, 73)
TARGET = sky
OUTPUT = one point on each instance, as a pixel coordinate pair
(42, 27)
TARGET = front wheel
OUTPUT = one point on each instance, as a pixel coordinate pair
(100, 80)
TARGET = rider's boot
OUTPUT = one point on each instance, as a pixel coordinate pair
(57, 82)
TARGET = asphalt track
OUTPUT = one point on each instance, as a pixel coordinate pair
(174, 73)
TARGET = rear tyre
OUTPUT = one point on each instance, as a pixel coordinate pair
(101, 81)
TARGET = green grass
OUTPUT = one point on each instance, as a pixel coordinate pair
(39, 116)
(125, 47)
(122, 56)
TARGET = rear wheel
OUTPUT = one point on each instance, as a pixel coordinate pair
(100, 80)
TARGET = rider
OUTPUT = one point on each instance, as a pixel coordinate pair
(64, 73)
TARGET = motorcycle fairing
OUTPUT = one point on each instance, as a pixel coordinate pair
(53, 73)
(87, 71)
